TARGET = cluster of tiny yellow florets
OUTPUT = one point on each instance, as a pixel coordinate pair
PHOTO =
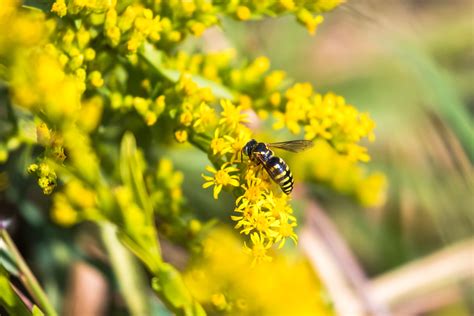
(326, 117)
(282, 287)
(298, 108)
(132, 25)
(344, 175)
(262, 210)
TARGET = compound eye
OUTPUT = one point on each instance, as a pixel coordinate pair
(246, 150)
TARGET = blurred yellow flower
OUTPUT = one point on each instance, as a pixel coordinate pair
(243, 13)
(181, 136)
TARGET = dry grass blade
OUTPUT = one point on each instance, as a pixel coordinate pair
(424, 284)
(338, 268)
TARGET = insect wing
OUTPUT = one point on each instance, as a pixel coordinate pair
(293, 145)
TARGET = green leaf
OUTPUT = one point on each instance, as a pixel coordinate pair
(129, 273)
(131, 170)
(155, 59)
(169, 283)
(150, 261)
(9, 299)
(35, 311)
(40, 5)
(7, 262)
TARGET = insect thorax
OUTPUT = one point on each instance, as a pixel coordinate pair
(262, 151)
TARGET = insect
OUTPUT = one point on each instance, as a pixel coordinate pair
(276, 167)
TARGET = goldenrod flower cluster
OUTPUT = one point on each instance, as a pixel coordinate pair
(224, 281)
(338, 172)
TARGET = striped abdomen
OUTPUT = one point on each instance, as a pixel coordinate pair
(280, 173)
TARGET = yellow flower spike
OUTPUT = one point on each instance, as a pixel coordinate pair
(221, 178)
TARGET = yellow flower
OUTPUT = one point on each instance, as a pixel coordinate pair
(372, 190)
(318, 128)
(231, 114)
(220, 145)
(243, 134)
(285, 230)
(198, 28)
(261, 221)
(253, 191)
(287, 4)
(357, 153)
(205, 117)
(219, 301)
(274, 79)
(181, 136)
(59, 7)
(243, 13)
(96, 80)
(221, 178)
(186, 118)
(259, 249)
(62, 212)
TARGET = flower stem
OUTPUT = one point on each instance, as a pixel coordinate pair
(27, 277)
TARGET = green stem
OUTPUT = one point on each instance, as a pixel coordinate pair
(130, 276)
(27, 277)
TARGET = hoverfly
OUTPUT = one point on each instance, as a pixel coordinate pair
(276, 167)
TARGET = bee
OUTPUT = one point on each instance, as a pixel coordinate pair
(276, 167)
